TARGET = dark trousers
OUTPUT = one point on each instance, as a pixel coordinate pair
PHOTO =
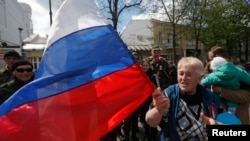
(131, 124)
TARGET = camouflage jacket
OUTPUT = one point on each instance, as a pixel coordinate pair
(5, 75)
(161, 68)
(9, 88)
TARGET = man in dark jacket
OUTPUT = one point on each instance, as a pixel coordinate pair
(10, 57)
(23, 74)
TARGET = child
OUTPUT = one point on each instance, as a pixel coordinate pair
(227, 75)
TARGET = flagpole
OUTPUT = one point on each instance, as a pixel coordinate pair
(21, 41)
(50, 12)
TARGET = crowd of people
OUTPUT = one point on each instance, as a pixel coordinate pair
(158, 68)
(14, 75)
(188, 96)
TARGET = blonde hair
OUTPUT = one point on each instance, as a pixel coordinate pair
(192, 62)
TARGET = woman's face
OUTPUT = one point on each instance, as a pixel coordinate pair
(210, 55)
(145, 66)
(188, 79)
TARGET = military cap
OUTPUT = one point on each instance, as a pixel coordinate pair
(156, 48)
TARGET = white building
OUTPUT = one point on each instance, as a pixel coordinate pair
(15, 25)
(138, 36)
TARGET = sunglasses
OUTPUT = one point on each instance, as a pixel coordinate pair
(22, 70)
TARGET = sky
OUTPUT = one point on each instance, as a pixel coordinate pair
(41, 16)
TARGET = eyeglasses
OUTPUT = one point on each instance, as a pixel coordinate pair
(22, 70)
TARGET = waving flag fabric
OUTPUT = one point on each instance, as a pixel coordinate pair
(86, 84)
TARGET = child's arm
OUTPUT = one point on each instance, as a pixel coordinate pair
(211, 79)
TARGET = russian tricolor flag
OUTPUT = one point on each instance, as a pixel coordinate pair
(86, 84)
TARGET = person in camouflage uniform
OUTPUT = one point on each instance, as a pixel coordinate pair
(159, 65)
(172, 72)
(10, 57)
(23, 74)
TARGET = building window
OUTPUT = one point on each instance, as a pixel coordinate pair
(160, 37)
(170, 40)
(190, 42)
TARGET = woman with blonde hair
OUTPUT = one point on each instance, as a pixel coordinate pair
(179, 109)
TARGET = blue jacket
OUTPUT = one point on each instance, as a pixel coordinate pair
(173, 93)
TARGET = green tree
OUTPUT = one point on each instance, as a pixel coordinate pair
(175, 11)
(194, 21)
(226, 25)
